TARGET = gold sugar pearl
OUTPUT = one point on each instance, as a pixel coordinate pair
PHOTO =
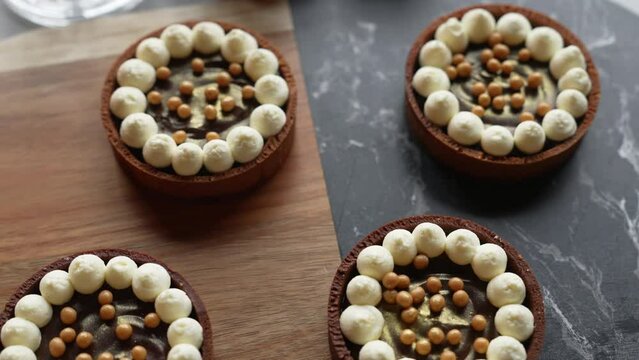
(493, 65)
(433, 285)
(68, 315)
(186, 88)
(436, 335)
(543, 108)
(235, 69)
(526, 116)
(495, 89)
(501, 51)
(437, 303)
(57, 347)
(499, 102)
(210, 112)
(534, 80)
(517, 101)
(173, 103)
(123, 331)
(403, 282)
(507, 67)
(458, 59)
(211, 93)
(105, 297)
(494, 39)
(464, 69)
(451, 71)
(390, 296)
(163, 73)
(184, 111)
(138, 353)
(228, 104)
(107, 312)
(418, 295)
(478, 110)
(447, 355)
(407, 337)
(212, 135)
(454, 337)
(484, 100)
(84, 356)
(390, 280)
(409, 315)
(404, 299)
(423, 347)
(455, 284)
(460, 298)
(223, 79)
(523, 55)
(197, 65)
(154, 98)
(480, 345)
(84, 339)
(420, 262)
(151, 320)
(248, 92)
(486, 55)
(516, 82)
(478, 88)
(105, 356)
(67, 335)
(478, 322)
(179, 136)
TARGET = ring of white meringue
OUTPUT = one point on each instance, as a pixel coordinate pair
(421, 245)
(511, 141)
(75, 290)
(193, 168)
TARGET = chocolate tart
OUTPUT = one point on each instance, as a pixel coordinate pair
(472, 161)
(239, 178)
(87, 305)
(343, 349)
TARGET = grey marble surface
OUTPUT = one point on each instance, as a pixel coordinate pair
(579, 229)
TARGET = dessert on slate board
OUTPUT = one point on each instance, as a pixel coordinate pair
(500, 92)
(104, 305)
(200, 109)
(434, 287)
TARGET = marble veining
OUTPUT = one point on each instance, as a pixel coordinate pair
(578, 229)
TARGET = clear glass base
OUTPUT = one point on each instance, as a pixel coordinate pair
(57, 13)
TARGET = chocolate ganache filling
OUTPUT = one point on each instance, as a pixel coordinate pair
(129, 310)
(196, 126)
(451, 317)
(507, 117)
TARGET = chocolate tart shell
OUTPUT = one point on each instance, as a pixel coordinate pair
(235, 180)
(474, 162)
(177, 281)
(348, 269)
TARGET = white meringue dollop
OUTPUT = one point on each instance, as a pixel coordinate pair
(127, 100)
(401, 245)
(429, 79)
(465, 128)
(559, 125)
(496, 140)
(440, 107)
(529, 137)
(452, 34)
(479, 24)
(137, 128)
(435, 53)
(136, 73)
(544, 42)
(361, 323)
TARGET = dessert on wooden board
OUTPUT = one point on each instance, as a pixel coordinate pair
(104, 305)
(200, 109)
(435, 286)
(500, 92)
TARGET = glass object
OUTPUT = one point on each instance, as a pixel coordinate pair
(56, 13)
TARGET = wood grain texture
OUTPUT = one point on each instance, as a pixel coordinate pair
(262, 263)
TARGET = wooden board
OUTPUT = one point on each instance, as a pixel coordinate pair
(262, 263)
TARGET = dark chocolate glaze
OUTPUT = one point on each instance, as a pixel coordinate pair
(197, 126)
(450, 318)
(128, 310)
(507, 117)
